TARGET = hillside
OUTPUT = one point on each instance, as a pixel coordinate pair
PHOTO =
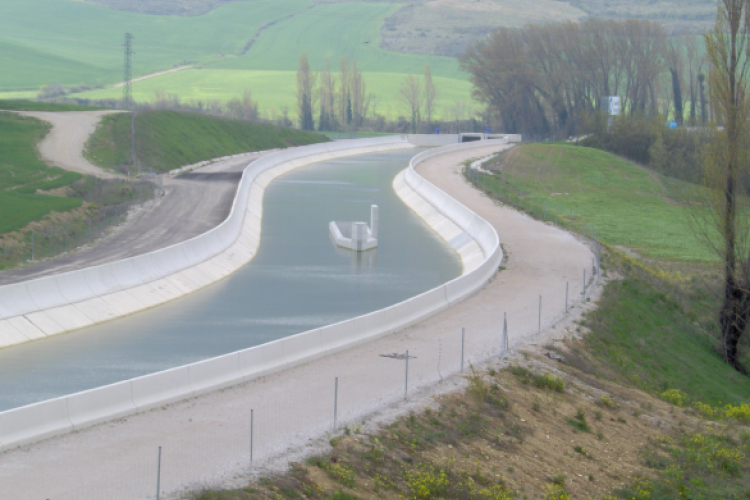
(636, 406)
(166, 140)
(636, 210)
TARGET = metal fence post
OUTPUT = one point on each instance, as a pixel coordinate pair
(158, 475)
(89, 231)
(584, 284)
(67, 240)
(32, 246)
(540, 313)
(252, 414)
(335, 402)
(566, 296)
(463, 333)
(406, 376)
(504, 341)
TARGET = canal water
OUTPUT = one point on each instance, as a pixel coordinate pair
(299, 280)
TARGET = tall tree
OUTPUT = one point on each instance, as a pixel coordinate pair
(727, 52)
(305, 85)
(430, 95)
(410, 95)
(327, 93)
(358, 96)
(345, 101)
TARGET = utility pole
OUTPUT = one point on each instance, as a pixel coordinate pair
(127, 88)
(127, 92)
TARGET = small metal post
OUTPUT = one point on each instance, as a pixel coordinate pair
(252, 414)
(89, 231)
(463, 333)
(584, 284)
(158, 476)
(566, 296)
(540, 313)
(32, 246)
(504, 342)
(67, 241)
(335, 402)
(406, 376)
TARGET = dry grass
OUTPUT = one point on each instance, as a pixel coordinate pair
(504, 437)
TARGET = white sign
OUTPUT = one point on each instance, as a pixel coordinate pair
(614, 105)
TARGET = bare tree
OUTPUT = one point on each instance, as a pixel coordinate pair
(430, 96)
(358, 96)
(410, 95)
(345, 99)
(727, 48)
(305, 84)
(327, 93)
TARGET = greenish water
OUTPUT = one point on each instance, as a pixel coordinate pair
(298, 281)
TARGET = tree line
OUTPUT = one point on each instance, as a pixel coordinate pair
(542, 80)
(343, 103)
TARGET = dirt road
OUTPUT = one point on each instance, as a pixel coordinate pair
(193, 203)
(205, 440)
(63, 146)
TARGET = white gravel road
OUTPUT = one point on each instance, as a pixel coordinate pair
(63, 146)
(206, 440)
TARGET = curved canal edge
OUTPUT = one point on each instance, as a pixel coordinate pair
(66, 414)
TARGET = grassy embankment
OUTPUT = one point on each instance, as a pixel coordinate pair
(64, 209)
(649, 410)
(166, 140)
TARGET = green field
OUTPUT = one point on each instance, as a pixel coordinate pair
(335, 30)
(166, 140)
(22, 172)
(276, 89)
(72, 42)
(625, 205)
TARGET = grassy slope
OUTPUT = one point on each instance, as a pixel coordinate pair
(276, 89)
(91, 37)
(167, 140)
(21, 167)
(625, 204)
(652, 333)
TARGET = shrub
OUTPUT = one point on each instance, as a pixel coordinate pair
(675, 397)
(425, 482)
(741, 412)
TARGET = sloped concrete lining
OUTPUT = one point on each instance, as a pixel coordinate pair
(56, 304)
(32, 423)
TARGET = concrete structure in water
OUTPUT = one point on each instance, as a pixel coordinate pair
(356, 235)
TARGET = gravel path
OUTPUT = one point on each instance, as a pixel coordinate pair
(63, 146)
(205, 440)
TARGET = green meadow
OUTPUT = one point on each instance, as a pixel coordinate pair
(250, 44)
(624, 204)
(275, 90)
(60, 41)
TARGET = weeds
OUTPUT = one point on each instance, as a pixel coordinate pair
(579, 421)
(545, 381)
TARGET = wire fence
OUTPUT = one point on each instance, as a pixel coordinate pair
(268, 420)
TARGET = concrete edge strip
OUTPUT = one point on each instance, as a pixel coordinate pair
(33, 423)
